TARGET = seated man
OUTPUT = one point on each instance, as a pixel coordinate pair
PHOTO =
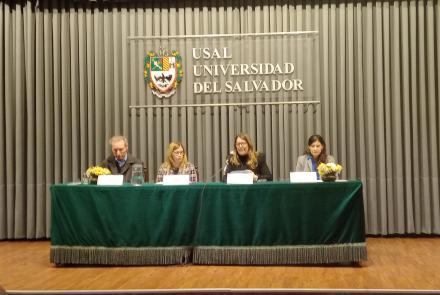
(121, 161)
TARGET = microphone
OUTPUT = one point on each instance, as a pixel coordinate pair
(221, 169)
(213, 175)
(231, 153)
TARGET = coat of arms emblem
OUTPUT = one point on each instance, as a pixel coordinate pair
(163, 72)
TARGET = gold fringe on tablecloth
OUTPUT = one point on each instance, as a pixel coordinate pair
(119, 256)
(306, 254)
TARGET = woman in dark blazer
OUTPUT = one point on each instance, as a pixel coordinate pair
(244, 157)
(314, 155)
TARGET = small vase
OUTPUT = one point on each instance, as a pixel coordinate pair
(93, 179)
(328, 177)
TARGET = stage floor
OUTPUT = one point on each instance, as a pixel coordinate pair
(393, 263)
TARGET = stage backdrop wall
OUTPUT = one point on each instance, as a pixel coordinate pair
(67, 82)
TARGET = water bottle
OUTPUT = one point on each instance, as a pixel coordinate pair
(137, 175)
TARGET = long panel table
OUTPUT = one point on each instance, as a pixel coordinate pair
(208, 223)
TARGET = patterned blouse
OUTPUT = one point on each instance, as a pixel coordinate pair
(189, 169)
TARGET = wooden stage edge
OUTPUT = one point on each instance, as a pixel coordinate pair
(395, 265)
(228, 292)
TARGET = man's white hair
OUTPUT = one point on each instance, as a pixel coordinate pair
(117, 138)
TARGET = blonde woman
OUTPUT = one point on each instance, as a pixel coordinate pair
(176, 162)
(244, 157)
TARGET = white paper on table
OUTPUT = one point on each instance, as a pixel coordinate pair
(176, 179)
(110, 179)
(240, 177)
(303, 177)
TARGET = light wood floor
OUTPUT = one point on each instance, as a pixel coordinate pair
(393, 263)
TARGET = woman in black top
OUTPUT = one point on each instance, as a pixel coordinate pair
(244, 157)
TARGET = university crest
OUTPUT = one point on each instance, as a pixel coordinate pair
(163, 72)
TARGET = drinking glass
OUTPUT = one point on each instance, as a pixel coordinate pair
(85, 178)
(137, 175)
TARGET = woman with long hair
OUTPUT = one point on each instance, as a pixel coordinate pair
(314, 155)
(245, 157)
(176, 162)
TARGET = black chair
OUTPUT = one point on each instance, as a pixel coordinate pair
(197, 173)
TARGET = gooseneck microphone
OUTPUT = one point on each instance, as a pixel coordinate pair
(231, 153)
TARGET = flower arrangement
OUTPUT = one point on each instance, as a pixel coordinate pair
(94, 171)
(328, 171)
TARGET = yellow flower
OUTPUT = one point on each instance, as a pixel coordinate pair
(329, 168)
(96, 171)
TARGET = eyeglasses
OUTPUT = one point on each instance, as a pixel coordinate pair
(241, 144)
(178, 152)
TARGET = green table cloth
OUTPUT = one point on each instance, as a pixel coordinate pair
(208, 223)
